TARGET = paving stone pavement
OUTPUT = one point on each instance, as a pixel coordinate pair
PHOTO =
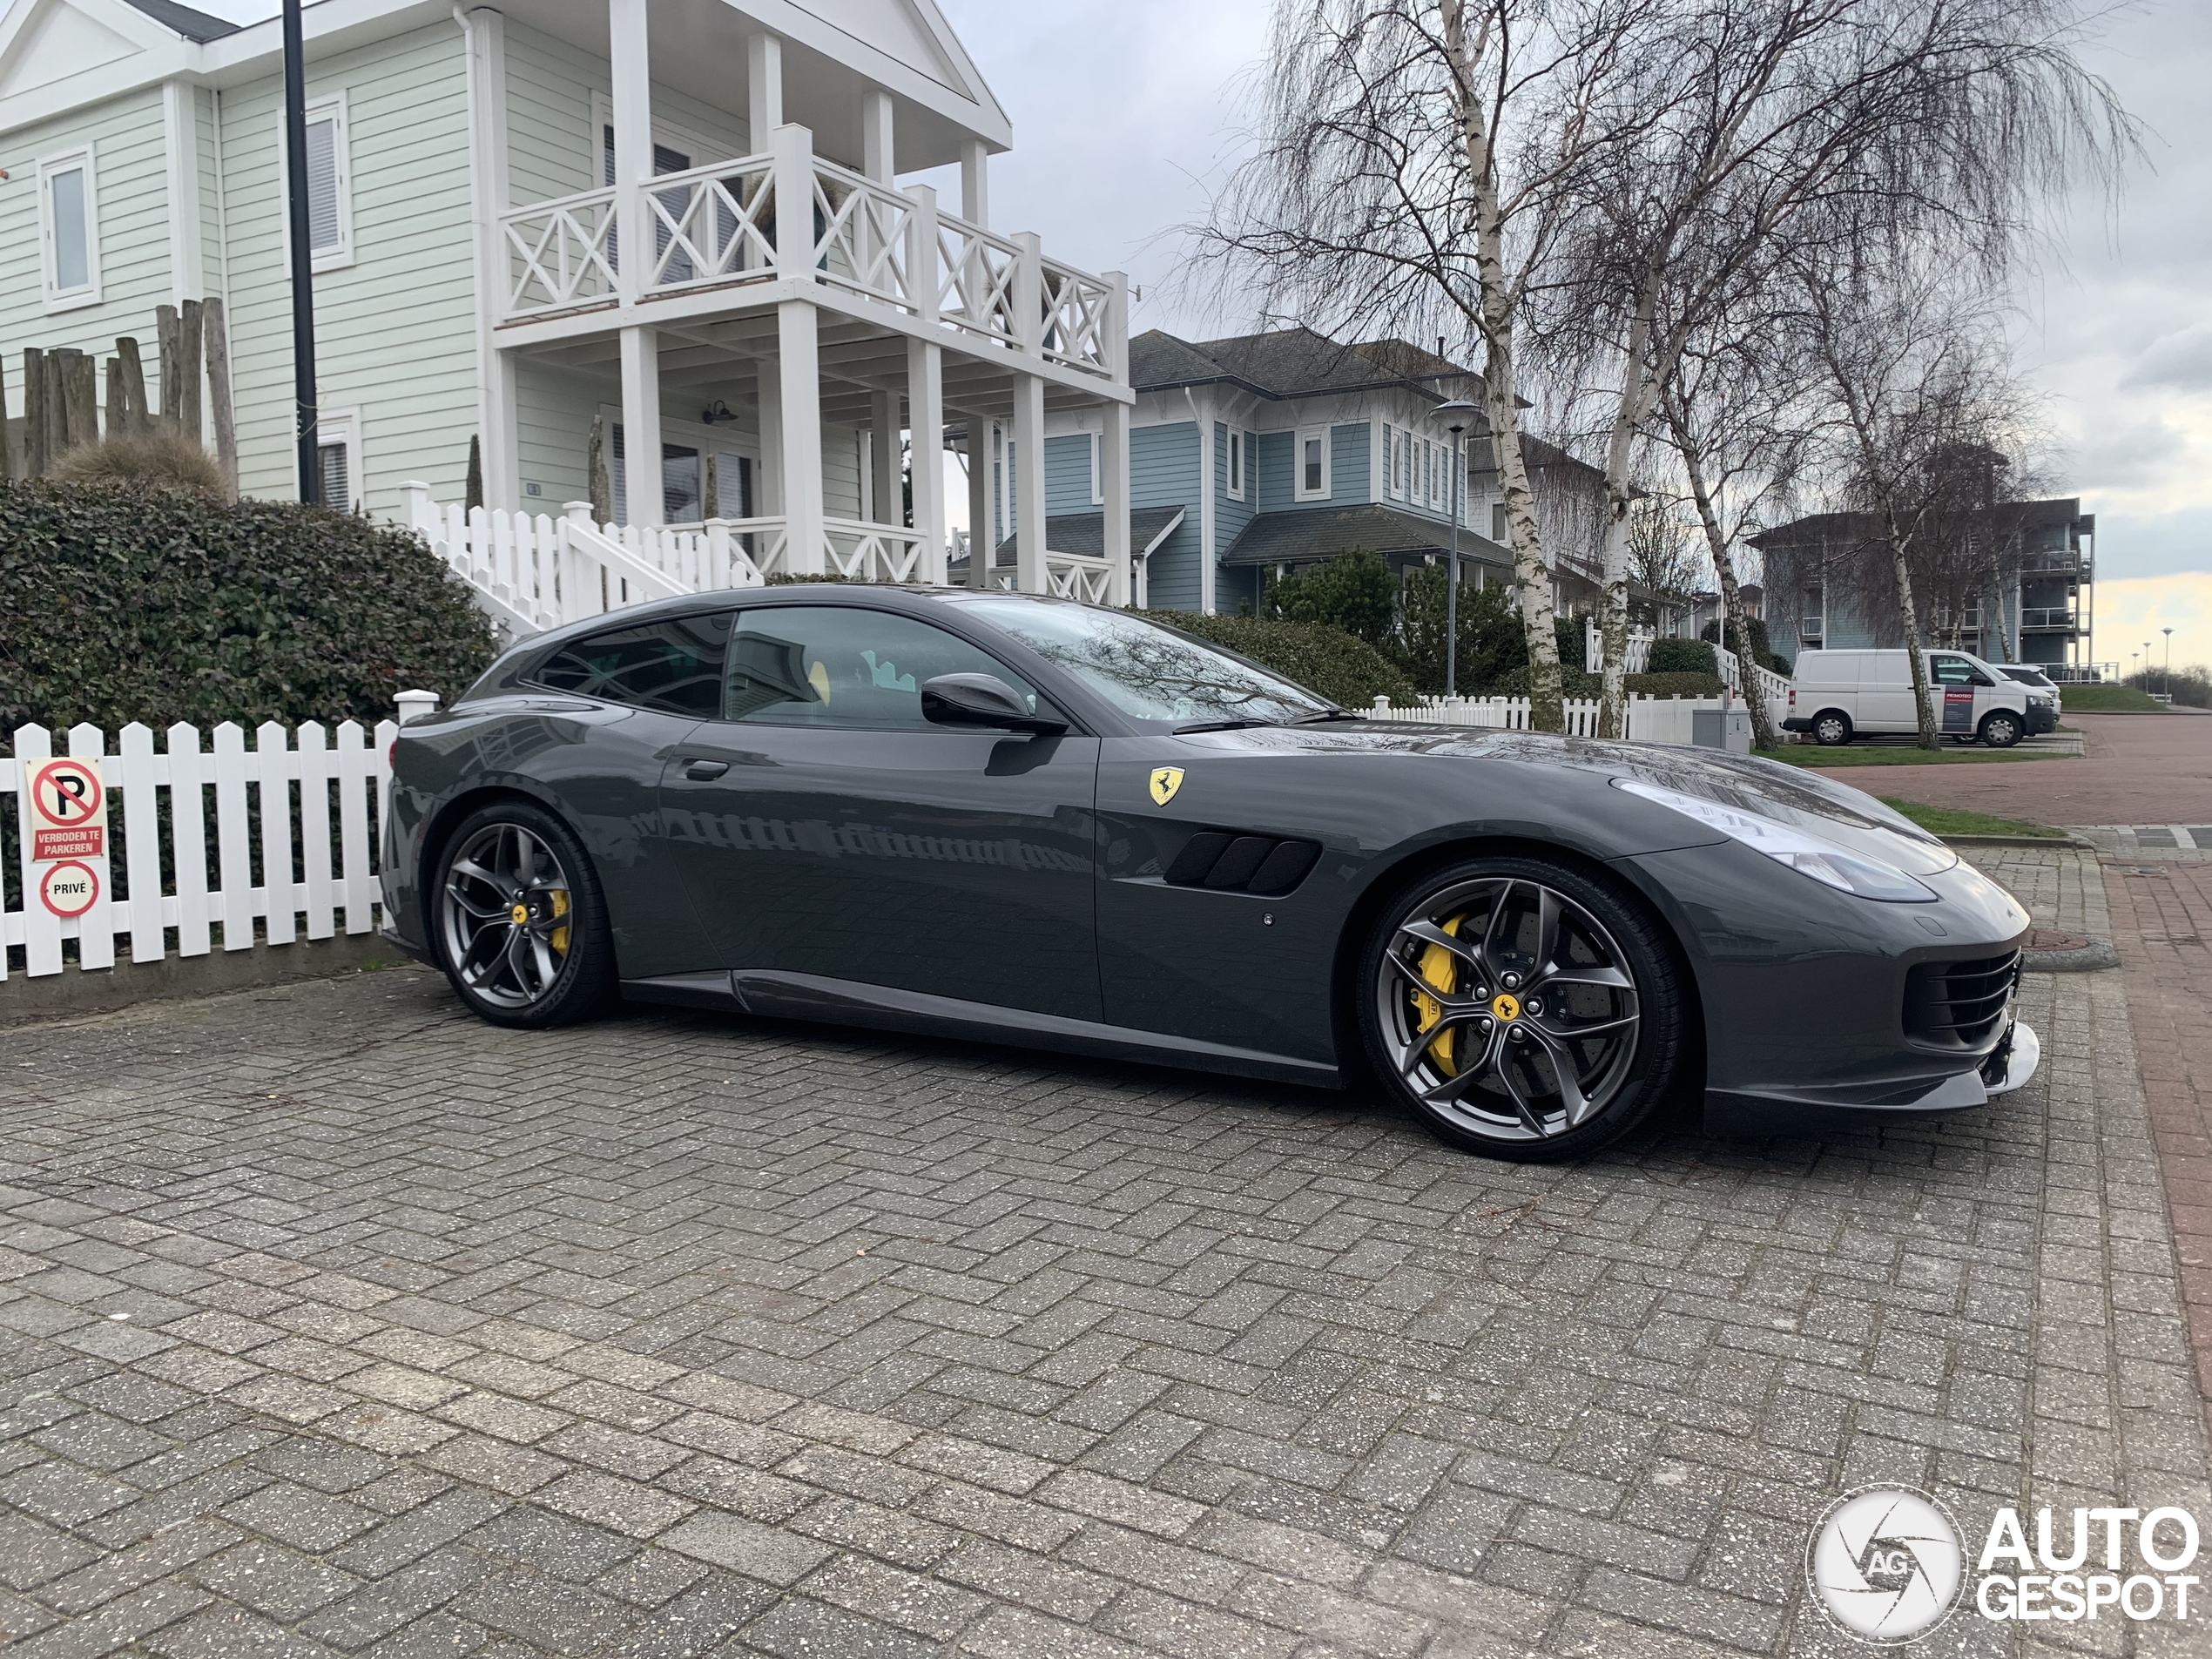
(334, 1322)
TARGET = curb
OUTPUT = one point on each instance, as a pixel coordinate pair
(2012, 840)
(75, 990)
(2097, 954)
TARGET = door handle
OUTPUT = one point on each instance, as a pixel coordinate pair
(700, 772)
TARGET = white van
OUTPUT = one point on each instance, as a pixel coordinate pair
(1839, 694)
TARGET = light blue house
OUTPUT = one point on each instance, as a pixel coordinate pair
(1267, 452)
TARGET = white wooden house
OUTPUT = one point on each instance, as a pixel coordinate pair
(481, 178)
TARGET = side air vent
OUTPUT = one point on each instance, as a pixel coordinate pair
(1227, 862)
(1959, 1005)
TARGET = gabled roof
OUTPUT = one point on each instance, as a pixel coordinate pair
(1288, 363)
(1322, 532)
(1084, 533)
(193, 25)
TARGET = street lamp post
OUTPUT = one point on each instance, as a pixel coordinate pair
(303, 291)
(1454, 413)
(2169, 661)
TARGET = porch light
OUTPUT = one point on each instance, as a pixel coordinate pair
(714, 412)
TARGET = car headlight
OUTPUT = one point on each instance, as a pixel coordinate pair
(1806, 853)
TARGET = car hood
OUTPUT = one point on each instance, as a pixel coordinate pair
(1849, 817)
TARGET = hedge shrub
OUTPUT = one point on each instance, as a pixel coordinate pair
(1682, 657)
(1346, 670)
(120, 604)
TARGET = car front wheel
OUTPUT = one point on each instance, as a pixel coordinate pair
(2000, 730)
(520, 926)
(1522, 1009)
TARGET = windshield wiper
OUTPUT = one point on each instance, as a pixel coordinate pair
(1218, 725)
(1325, 715)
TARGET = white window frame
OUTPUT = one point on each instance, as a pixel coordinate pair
(342, 428)
(1237, 464)
(55, 298)
(331, 107)
(1298, 491)
(1097, 469)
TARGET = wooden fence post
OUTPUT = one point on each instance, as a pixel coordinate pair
(167, 332)
(80, 399)
(219, 392)
(134, 385)
(34, 412)
(188, 371)
(118, 413)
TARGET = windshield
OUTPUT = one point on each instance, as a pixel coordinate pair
(1149, 672)
(2029, 676)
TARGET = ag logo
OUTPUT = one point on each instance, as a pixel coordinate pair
(1165, 781)
(1886, 1563)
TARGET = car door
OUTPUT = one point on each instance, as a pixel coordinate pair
(1885, 692)
(823, 828)
(1955, 688)
(621, 700)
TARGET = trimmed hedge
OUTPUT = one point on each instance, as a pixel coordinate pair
(120, 604)
(1346, 670)
(1682, 657)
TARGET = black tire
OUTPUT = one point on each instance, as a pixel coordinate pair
(2001, 728)
(562, 968)
(1831, 728)
(1485, 1105)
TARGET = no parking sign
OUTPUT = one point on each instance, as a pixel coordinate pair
(68, 811)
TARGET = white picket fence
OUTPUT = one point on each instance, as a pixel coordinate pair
(288, 863)
(1651, 719)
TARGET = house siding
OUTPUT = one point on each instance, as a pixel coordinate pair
(1272, 473)
(1235, 589)
(1066, 474)
(1350, 452)
(1164, 472)
(551, 152)
(130, 191)
(407, 146)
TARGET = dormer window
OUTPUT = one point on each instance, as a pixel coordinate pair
(1313, 463)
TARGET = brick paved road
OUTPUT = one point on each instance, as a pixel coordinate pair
(331, 1321)
(2141, 769)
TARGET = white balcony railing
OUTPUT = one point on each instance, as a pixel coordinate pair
(1074, 576)
(719, 225)
(560, 255)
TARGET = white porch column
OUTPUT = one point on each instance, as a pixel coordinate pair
(1028, 482)
(975, 183)
(875, 135)
(486, 43)
(799, 394)
(883, 457)
(180, 131)
(980, 547)
(1113, 468)
(641, 475)
(764, 65)
(926, 421)
(631, 107)
(768, 480)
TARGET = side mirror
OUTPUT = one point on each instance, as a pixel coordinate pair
(982, 699)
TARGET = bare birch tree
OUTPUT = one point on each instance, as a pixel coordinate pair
(1785, 120)
(1415, 167)
(1921, 400)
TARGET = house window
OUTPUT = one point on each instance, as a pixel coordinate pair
(69, 229)
(679, 481)
(1236, 465)
(338, 448)
(330, 185)
(1498, 530)
(1097, 470)
(1428, 473)
(1313, 463)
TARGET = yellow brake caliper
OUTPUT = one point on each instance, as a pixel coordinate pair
(560, 941)
(1441, 969)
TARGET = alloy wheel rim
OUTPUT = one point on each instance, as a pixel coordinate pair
(509, 916)
(1508, 1008)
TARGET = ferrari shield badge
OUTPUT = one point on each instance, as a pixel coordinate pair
(1165, 781)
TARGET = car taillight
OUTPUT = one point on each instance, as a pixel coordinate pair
(392, 755)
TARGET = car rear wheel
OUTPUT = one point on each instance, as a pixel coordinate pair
(2001, 729)
(1831, 728)
(522, 927)
(1522, 1009)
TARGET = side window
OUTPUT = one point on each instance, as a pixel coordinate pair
(840, 665)
(1953, 670)
(674, 666)
(330, 185)
(70, 230)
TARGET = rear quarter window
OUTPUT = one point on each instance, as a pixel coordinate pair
(673, 665)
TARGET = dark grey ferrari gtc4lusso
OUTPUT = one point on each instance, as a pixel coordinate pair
(994, 816)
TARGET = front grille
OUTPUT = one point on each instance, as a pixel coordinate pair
(1228, 862)
(1960, 1005)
